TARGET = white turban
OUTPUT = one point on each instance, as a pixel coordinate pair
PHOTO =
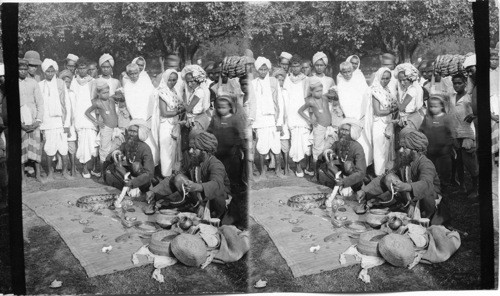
(286, 55)
(356, 127)
(261, 61)
(470, 61)
(143, 132)
(47, 63)
(2, 70)
(106, 58)
(320, 55)
(72, 57)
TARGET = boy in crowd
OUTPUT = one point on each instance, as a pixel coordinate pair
(280, 74)
(93, 70)
(54, 126)
(306, 68)
(296, 86)
(86, 130)
(110, 136)
(67, 77)
(465, 142)
(31, 101)
(318, 104)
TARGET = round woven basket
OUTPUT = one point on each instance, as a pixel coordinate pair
(189, 249)
(160, 242)
(368, 242)
(397, 249)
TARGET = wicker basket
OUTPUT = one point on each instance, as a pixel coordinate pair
(368, 242)
(189, 249)
(397, 249)
(160, 242)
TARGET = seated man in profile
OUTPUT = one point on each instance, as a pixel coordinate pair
(420, 180)
(345, 155)
(205, 184)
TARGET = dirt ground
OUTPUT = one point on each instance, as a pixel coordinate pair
(461, 272)
(47, 258)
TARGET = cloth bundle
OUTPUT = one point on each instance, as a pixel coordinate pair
(449, 65)
(234, 66)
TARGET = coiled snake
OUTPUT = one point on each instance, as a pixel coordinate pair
(96, 201)
(307, 200)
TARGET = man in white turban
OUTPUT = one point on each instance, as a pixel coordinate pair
(269, 115)
(55, 123)
(284, 60)
(320, 61)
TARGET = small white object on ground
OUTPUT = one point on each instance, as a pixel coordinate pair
(106, 249)
(314, 249)
(56, 284)
(260, 284)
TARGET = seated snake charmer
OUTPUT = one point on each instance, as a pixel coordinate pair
(134, 157)
(422, 181)
(346, 155)
(205, 181)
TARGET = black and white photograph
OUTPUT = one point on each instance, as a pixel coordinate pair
(249, 147)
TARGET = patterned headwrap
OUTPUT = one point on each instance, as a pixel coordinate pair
(204, 141)
(413, 139)
(410, 71)
(199, 75)
(279, 71)
(143, 131)
(65, 73)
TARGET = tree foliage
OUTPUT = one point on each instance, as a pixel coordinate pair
(344, 28)
(126, 29)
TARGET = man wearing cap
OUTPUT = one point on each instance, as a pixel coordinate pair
(345, 155)
(135, 157)
(70, 63)
(56, 122)
(32, 109)
(207, 179)
(320, 61)
(422, 184)
(34, 61)
(284, 60)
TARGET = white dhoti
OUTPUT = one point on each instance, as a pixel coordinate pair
(319, 141)
(86, 144)
(110, 139)
(268, 139)
(55, 141)
(381, 146)
(300, 145)
(168, 148)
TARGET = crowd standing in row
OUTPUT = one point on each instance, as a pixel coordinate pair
(141, 133)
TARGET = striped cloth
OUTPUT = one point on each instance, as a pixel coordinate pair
(494, 136)
(31, 148)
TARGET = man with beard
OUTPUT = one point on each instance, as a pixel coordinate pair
(134, 157)
(422, 181)
(205, 181)
(346, 155)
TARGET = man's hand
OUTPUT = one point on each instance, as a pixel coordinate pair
(26, 128)
(280, 129)
(361, 196)
(150, 196)
(469, 118)
(101, 124)
(117, 155)
(35, 125)
(494, 117)
(400, 186)
(339, 182)
(193, 187)
(328, 155)
(67, 131)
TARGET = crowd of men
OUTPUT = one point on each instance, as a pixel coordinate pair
(217, 132)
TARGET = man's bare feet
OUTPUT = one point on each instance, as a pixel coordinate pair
(67, 176)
